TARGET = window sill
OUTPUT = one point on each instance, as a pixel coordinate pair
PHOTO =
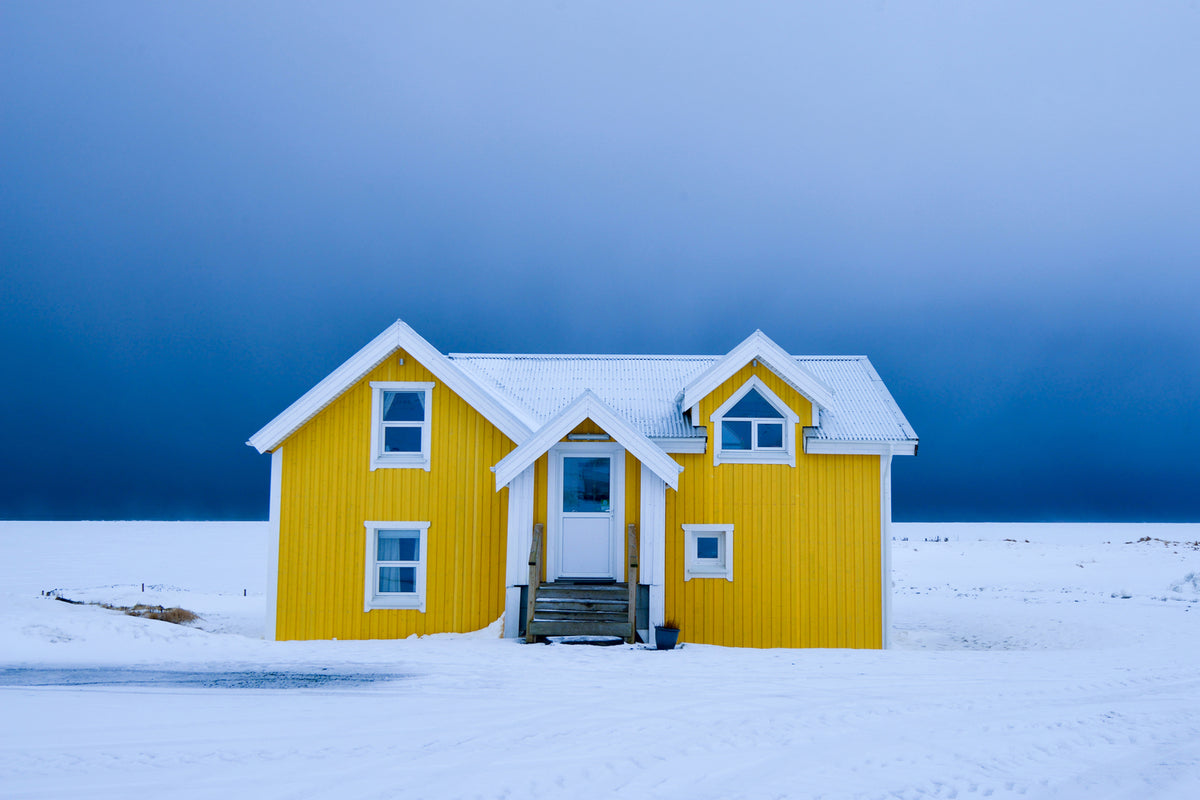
(401, 462)
(723, 573)
(754, 457)
(410, 602)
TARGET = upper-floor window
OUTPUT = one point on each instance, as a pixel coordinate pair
(400, 424)
(754, 425)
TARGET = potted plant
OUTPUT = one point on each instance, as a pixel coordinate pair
(666, 635)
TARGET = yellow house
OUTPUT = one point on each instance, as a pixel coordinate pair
(745, 497)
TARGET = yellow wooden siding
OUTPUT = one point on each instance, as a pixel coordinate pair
(806, 543)
(329, 491)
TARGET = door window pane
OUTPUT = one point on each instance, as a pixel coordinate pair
(586, 484)
(735, 434)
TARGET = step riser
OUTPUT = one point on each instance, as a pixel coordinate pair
(613, 607)
(565, 628)
(577, 616)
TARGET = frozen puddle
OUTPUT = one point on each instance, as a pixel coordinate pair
(216, 679)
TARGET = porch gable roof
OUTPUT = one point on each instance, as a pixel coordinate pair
(588, 406)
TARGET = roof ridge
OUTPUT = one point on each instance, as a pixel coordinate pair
(596, 356)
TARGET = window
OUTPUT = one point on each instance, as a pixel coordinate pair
(395, 569)
(754, 426)
(708, 551)
(400, 424)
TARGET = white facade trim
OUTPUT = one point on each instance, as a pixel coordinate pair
(652, 567)
(382, 460)
(554, 499)
(513, 421)
(784, 455)
(373, 600)
(841, 448)
(681, 444)
(757, 346)
(885, 556)
(587, 406)
(273, 542)
(519, 540)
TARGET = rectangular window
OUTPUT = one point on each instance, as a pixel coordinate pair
(395, 568)
(400, 424)
(708, 551)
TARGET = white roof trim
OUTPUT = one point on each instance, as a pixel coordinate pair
(515, 423)
(849, 448)
(757, 346)
(585, 406)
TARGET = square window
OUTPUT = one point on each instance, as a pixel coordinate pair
(770, 434)
(395, 568)
(708, 552)
(736, 434)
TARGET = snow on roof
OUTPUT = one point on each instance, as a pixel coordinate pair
(644, 390)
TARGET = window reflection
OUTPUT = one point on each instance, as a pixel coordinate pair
(586, 484)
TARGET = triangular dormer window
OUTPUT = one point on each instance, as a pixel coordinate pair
(755, 426)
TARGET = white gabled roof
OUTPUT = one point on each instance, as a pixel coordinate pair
(520, 394)
(757, 346)
(644, 391)
(513, 421)
(588, 406)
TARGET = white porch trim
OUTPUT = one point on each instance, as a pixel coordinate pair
(653, 554)
(520, 536)
(273, 542)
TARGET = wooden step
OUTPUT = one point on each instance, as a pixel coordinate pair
(558, 627)
(572, 604)
(582, 616)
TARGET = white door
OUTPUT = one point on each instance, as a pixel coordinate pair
(585, 502)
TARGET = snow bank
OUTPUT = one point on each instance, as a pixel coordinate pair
(1065, 667)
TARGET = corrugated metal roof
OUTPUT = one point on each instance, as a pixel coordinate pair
(644, 390)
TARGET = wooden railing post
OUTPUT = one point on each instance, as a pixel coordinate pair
(535, 579)
(631, 541)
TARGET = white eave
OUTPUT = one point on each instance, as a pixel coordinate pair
(588, 406)
(757, 346)
(514, 422)
(859, 448)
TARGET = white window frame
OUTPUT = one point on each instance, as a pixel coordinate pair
(766, 455)
(372, 598)
(694, 567)
(415, 460)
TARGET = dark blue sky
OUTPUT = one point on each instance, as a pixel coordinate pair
(205, 208)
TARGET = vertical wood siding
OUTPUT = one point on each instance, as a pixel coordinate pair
(329, 491)
(806, 543)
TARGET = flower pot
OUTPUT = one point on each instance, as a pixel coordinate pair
(665, 638)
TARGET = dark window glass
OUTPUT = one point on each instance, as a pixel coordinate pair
(399, 546)
(735, 435)
(403, 406)
(397, 579)
(585, 484)
(405, 439)
(770, 434)
(753, 404)
(708, 547)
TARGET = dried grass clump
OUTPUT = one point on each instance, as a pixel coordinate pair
(178, 616)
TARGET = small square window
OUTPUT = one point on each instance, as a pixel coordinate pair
(708, 552)
(708, 547)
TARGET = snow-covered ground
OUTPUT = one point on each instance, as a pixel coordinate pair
(1064, 663)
